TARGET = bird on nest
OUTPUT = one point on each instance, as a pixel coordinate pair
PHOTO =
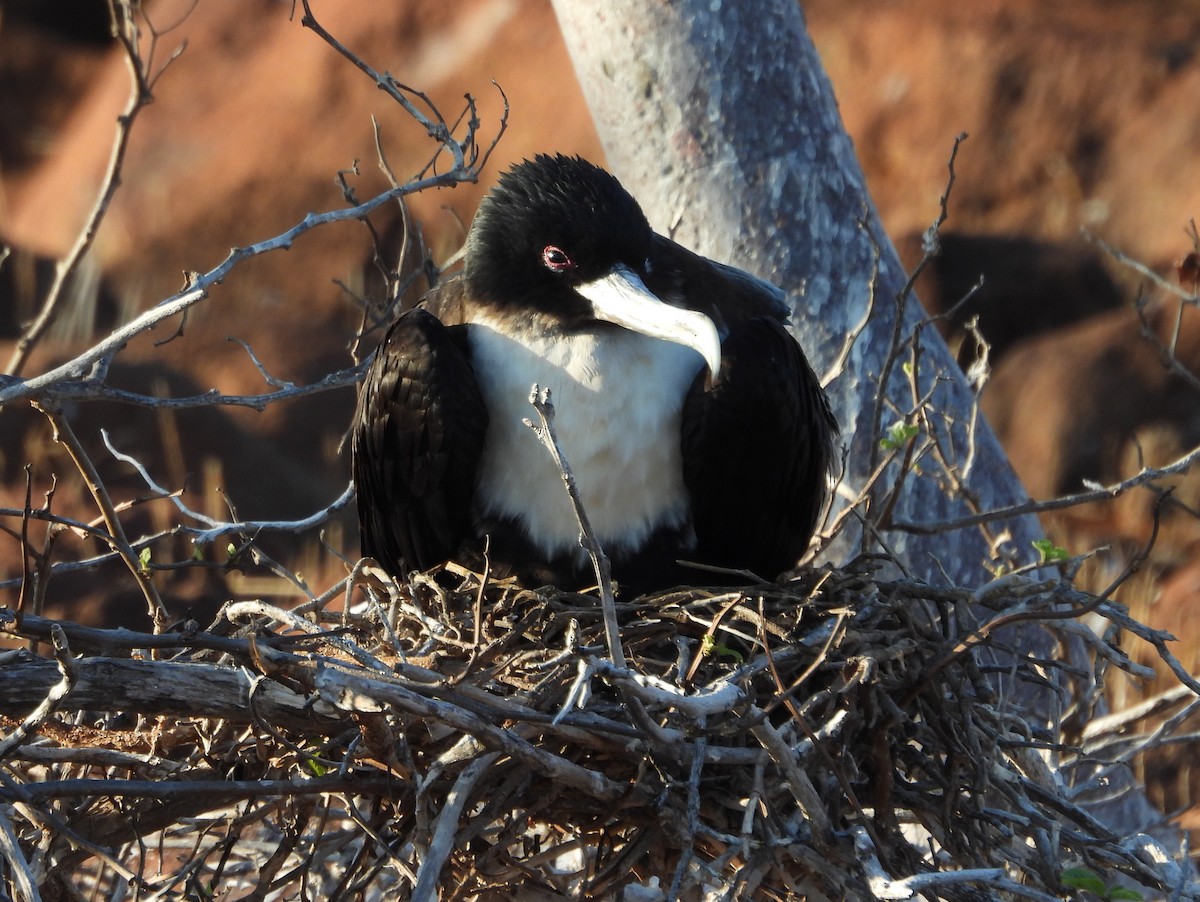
(692, 422)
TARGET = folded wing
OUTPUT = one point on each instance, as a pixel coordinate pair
(418, 433)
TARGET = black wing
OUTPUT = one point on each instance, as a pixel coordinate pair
(757, 450)
(418, 433)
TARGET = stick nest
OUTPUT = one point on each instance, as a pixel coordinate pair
(838, 736)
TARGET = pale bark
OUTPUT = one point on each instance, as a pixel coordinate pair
(159, 688)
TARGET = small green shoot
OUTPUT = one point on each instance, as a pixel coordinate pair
(1048, 552)
(710, 646)
(898, 435)
(1088, 880)
(315, 767)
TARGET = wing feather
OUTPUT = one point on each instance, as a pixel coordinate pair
(418, 433)
(757, 450)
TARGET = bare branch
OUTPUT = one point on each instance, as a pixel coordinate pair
(64, 434)
(446, 828)
(898, 342)
(1142, 269)
(15, 389)
(1098, 493)
(35, 718)
(94, 388)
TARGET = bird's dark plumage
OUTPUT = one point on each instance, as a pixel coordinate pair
(693, 423)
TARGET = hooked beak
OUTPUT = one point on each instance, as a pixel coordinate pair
(620, 297)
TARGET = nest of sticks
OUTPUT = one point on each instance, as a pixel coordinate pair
(843, 735)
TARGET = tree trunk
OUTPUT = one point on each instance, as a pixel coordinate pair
(719, 118)
(721, 121)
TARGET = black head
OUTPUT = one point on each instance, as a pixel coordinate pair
(561, 238)
(550, 224)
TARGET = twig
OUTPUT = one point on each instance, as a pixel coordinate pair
(897, 342)
(1099, 493)
(26, 576)
(18, 866)
(94, 388)
(802, 789)
(350, 691)
(125, 30)
(216, 529)
(839, 363)
(436, 127)
(1119, 722)
(1167, 354)
(720, 698)
(35, 718)
(23, 796)
(466, 154)
(23, 389)
(115, 640)
(444, 830)
(280, 385)
(216, 790)
(692, 822)
(1141, 269)
(540, 399)
(65, 435)
(155, 765)
(235, 610)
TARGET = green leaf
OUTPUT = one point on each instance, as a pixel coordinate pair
(1125, 894)
(144, 561)
(1048, 552)
(898, 435)
(1085, 879)
(710, 646)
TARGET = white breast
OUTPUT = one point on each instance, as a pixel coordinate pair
(618, 398)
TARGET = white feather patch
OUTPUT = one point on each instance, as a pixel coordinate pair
(618, 399)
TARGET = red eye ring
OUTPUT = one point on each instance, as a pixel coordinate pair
(555, 259)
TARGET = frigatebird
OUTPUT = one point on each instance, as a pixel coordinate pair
(692, 421)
